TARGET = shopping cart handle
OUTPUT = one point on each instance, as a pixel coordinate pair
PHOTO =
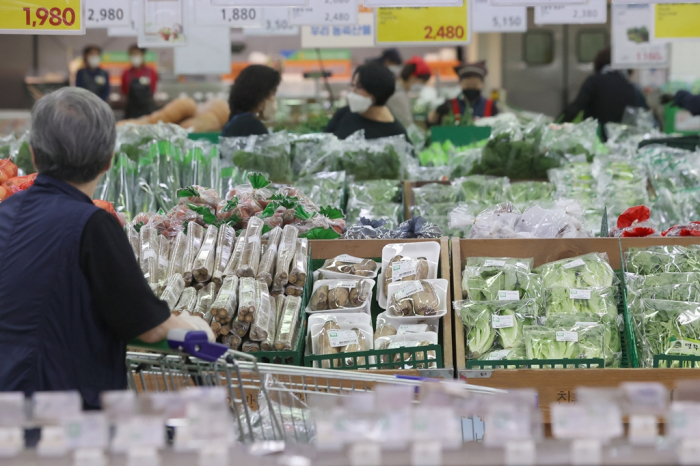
(195, 343)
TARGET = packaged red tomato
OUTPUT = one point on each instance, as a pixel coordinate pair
(16, 184)
(7, 170)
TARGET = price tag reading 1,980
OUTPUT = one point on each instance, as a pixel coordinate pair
(431, 25)
(107, 13)
(325, 12)
(490, 18)
(41, 17)
(593, 12)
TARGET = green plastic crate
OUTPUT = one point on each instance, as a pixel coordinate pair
(459, 135)
(211, 137)
(669, 360)
(536, 363)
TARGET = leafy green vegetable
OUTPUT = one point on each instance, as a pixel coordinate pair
(205, 212)
(485, 189)
(564, 342)
(325, 188)
(659, 259)
(484, 278)
(582, 272)
(524, 193)
(267, 153)
(189, 191)
(591, 301)
(320, 233)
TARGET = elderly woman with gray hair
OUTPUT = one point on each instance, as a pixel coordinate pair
(72, 293)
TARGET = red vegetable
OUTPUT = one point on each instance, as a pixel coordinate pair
(638, 232)
(106, 205)
(633, 215)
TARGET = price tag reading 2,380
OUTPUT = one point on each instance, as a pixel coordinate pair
(441, 25)
(41, 17)
(593, 12)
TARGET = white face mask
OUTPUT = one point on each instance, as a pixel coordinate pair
(417, 87)
(270, 110)
(396, 69)
(94, 61)
(358, 103)
(136, 60)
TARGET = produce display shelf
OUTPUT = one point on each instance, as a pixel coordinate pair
(372, 249)
(674, 360)
(383, 359)
(211, 137)
(459, 135)
(536, 364)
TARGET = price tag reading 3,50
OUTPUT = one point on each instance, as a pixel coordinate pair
(41, 17)
(431, 25)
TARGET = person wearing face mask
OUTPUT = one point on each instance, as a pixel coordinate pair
(252, 101)
(471, 80)
(414, 75)
(391, 58)
(138, 85)
(372, 86)
(91, 76)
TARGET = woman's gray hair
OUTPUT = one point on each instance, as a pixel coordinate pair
(73, 135)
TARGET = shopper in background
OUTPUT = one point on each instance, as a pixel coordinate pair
(139, 85)
(471, 80)
(251, 100)
(684, 100)
(413, 76)
(91, 76)
(72, 293)
(372, 86)
(391, 58)
(604, 95)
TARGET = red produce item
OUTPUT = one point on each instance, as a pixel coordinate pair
(633, 215)
(106, 205)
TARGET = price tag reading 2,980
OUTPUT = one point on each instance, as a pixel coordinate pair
(41, 17)
(428, 25)
(107, 13)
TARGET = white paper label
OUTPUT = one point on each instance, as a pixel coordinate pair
(643, 430)
(631, 42)
(325, 12)
(417, 328)
(402, 270)
(409, 289)
(585, 324)
(206, 14)
(567, 336)
(343, 284)
(163, 261)
(492, 18)
(579, 294)
(505, 295)
(349, 259)
(647, 395)
(254, 238)
(586, 452)
(149, 254)
(576, 263)
(494, 263)
(107, 13)
(276, 23)
(593, 12)
(365, 453)
(502, 321)
(499, 354)
(339, 338)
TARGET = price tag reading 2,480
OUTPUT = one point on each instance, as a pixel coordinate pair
(41, 17)
(428, 25)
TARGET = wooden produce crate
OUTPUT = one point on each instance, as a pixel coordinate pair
(372, 248)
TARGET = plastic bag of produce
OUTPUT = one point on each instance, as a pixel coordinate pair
(499, 221)
(313, 153)
(571, 139)
(435, 193)
(670, 168)
(324, 188)
(582, 272)
(417, 173)
(416, 227)
(493, 325)
(482, 188)
(659, 259)
(484, 278)
(563, 219)
(524, 193)
(382, 158)
(611, 325)
(577, 342)
(672, 208)
(594, 301)
(269, 154)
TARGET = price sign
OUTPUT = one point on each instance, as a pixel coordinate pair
(676, 22)
(107, 13)
(259, 3)
(491, 18)
(402, 3)
(206, 14)
(593, 12)
(275, 23)
(41, 17)
(433, 25)
(537, 2)
(322, 12)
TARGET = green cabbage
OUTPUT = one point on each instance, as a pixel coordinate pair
(563, 300)
(545, 342)
(587, 271)
(610, 326)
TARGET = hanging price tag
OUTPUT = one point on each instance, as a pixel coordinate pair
(275, 23)
(41, 17)
(492, 18)
(107, 13)
(631, 46)
(408, 3)
(324, 12)
(676, 22)
(206, 14)
(593, 12)
(434, 25)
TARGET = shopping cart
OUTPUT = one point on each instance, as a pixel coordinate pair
(269, 401)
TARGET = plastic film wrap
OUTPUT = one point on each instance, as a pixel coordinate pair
(268, 261)
(297, 275)
(224, 250)
(250, 257)
(288, 324)
(287, 249)
(174, 287)
(203, 265)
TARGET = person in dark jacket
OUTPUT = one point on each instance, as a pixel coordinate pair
(91, 76)
(684, 100)
(604, 95)
(471, 80)
(72, 292)
(251, 100)
(372, 86)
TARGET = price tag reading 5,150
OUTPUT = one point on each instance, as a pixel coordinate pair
(41, 17)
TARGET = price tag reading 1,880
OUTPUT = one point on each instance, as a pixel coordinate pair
(41, 17)
(442, 25)
(206, 14)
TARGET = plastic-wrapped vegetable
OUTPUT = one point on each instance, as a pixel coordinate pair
(583, 322)
(297, 274)
(351, 265)
(270, 153)
(571, 139)
(263, 324)
(205, 298)
(487, 189)
(163, 258)
(250, 258)
(597, 301)
(403, 269)
(587, 271)
(224, 249)
(268, 343)
(493, 325)
(288, 325)
(382, 158)
(287, 249)
(250, 346)
(373, 200)
(224, 307)
(187, 301)
(195, 237)
(248, 299)
(240, 328)
(561, 343)
(325, 188)
(232, 265)
(266, 269)
(233, 341)
(494, 279)
(341, 294)
(659, 259)
(173, 290)
(203, 265)
(177, 255)
(415, 298)
(363, 344)
(149, 253)
(134, 241)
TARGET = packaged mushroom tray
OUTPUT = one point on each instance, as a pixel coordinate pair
(346, 266)
(341, 296)
(406, 262)
(418, 298)
(340, 334)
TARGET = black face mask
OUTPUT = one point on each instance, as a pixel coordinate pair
(471, 94)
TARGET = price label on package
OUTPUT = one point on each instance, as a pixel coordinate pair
(402, 269)
(342, 284)
(593, 12)
(338, 338)
(579, 294)
(505, 295)
(107, 13)
(348, 259)
(493, 18)
(501, 321)
(42, 17)
(490, 262)
(408, 290)
(325, 12)
(567, 336)
(416, 328)
(206, 14)
(577, 262)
